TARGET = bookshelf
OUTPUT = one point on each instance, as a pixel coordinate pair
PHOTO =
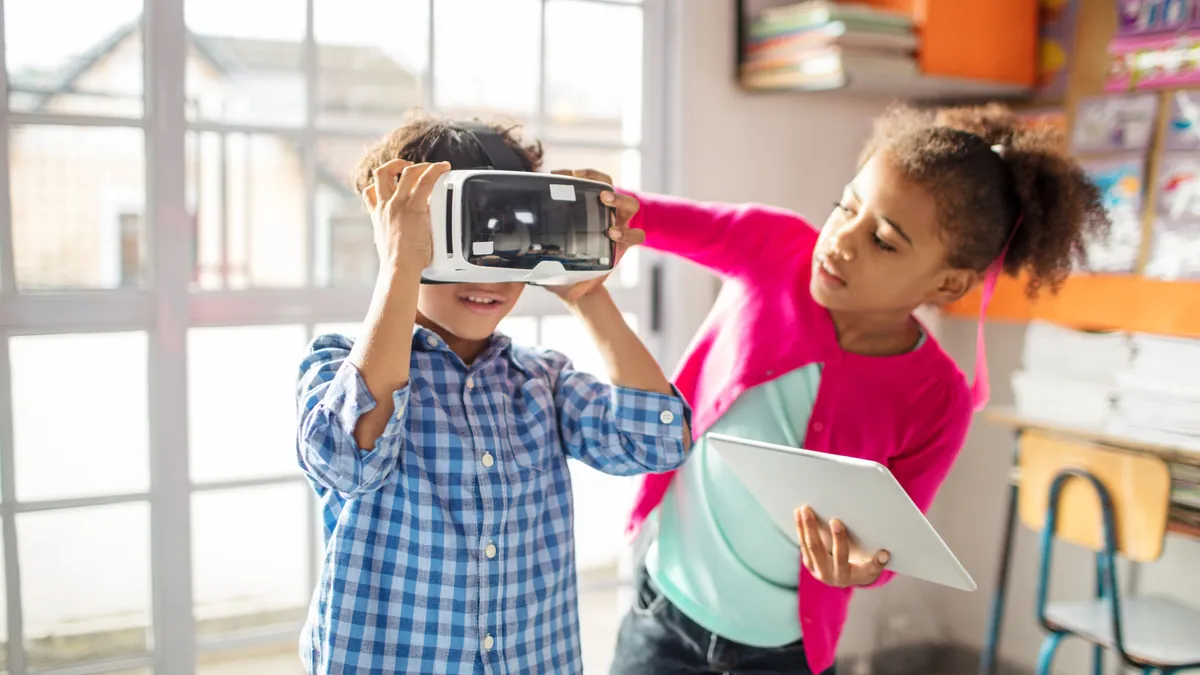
(913, 50)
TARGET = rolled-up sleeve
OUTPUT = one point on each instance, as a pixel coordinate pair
(332, 396)
(617, 430)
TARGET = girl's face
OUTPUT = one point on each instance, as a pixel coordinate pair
(881, 249)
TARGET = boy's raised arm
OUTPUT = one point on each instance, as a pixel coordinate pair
(638, 424)
(354, 399)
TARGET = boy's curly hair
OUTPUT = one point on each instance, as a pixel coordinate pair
(982, 192)
(427, 138)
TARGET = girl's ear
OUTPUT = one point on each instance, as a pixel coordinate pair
(952, 285)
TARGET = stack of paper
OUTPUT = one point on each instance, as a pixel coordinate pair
(818, 44)
(1159, 398)
(1185, 486)
(1069, 377)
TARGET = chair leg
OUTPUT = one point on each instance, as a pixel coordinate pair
(1046, 655)
(1098, 660)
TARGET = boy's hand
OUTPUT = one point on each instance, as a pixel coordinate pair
(621, 234)
(399, 204)
(845, 565)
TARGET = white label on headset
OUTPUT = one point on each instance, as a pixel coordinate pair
(562, 193)
(483, 248)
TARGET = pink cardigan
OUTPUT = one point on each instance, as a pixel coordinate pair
(910, 412)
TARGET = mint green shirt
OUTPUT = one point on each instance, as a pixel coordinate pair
(718, 557)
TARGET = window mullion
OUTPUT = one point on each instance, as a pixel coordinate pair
(539, 118)
(170, 238)
(309, 146)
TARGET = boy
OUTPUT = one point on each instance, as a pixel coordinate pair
(438, 448)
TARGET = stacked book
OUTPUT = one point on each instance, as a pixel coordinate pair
(1069, 377)
(1159, 399)
(821, 44)
(1185, 494)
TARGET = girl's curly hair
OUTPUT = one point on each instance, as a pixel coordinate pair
(987, 169)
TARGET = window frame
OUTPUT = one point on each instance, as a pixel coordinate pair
(166, 307)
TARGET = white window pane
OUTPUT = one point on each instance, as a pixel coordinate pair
(245, 61)
(486, 56)
(74, 56)
(247, 193)
(564, 333)
(349, 329)
(250, 557)
(522, 329)
(372, 59)
(80, 416)
(241, 399)
(345, 241)
(623, 166)
(260, 660)
(593, 72)
(93, 237)
(85, 583)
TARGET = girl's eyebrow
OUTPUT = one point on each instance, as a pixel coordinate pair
(891, 223)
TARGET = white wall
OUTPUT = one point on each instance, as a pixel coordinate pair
(970, 516)
(791, 150)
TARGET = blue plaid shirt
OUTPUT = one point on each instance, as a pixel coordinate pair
(449, 548)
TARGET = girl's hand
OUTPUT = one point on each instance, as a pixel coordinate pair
(398, 200)
(830, 557)
(621, 234)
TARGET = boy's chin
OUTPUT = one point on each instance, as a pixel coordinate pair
(473, 328)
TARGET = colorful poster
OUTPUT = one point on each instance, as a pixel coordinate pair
(1178, 189)
(1056, 33)
(1174, 250)
(1121, 182)
(1183, 127)
(1145, 17)
(1153, 62)
(1114, 123)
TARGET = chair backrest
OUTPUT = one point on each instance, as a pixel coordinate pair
(1140, 487)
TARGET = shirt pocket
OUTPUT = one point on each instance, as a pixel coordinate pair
(533, 425)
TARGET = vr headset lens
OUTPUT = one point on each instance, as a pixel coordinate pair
(517, 222)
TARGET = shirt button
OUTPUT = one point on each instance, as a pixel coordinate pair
(488, 460)
(400, 411)
(470, 383)
(488, 643)
(817, 426)
(431, 341)
(666, 417)
(807, 620)
(490, 551)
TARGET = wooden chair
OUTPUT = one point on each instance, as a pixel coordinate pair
(1108, 501)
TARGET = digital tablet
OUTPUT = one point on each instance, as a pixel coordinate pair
(864, 495)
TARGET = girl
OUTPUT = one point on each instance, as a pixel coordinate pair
(812, 343)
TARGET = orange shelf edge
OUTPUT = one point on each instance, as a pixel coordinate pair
(1100, 302)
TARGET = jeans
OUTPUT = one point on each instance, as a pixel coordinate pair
(657, 639)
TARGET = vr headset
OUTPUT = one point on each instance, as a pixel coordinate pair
(504, 224)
